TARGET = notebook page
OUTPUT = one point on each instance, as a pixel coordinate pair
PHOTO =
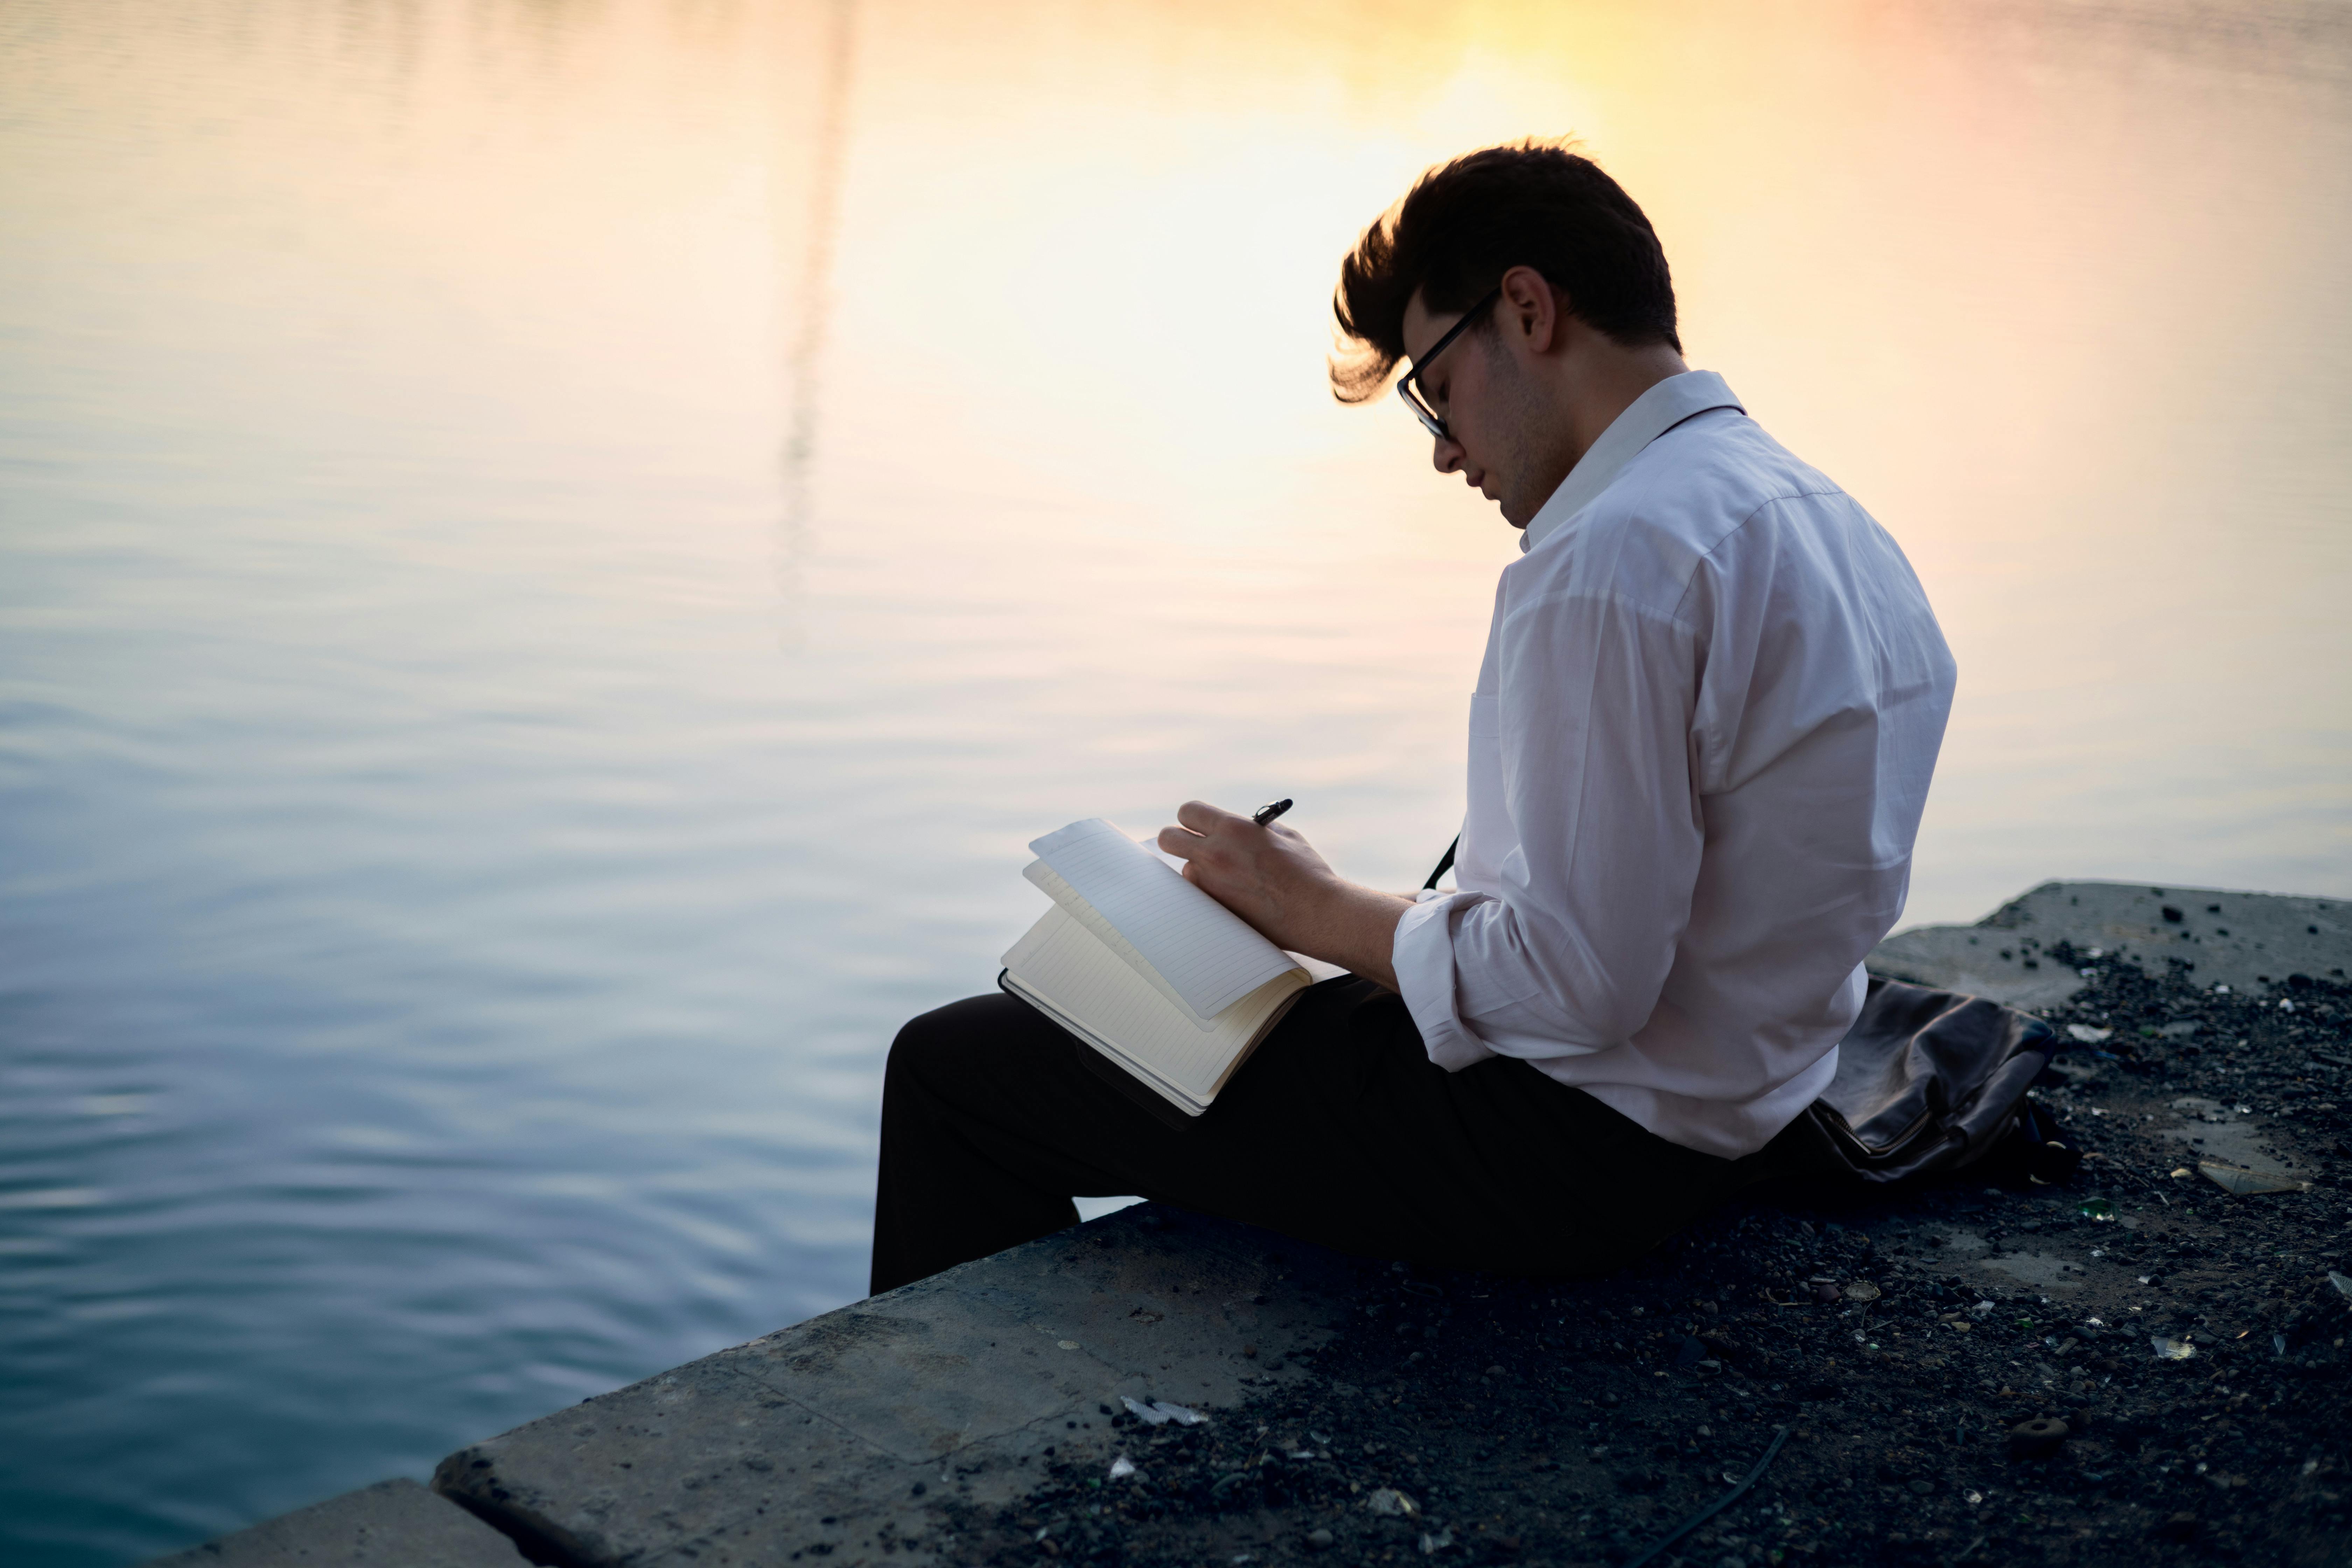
(1207, 953)
(1042, 876)
(1062, 963)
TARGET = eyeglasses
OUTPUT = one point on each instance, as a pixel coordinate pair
(1409, 383)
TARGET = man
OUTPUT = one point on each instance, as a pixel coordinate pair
(1711, 701)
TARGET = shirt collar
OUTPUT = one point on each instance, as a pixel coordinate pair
(1646, 418)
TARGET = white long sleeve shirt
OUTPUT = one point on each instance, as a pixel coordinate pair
(1710, 705)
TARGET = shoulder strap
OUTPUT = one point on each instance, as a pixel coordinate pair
(1445, 864)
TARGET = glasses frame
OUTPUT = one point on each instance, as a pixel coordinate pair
(1409, 383)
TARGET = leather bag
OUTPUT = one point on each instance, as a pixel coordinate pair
(1929, 1082)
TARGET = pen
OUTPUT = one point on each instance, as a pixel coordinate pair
(1269, 811)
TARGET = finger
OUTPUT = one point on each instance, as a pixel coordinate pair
(1203, 818)
(1178, 842)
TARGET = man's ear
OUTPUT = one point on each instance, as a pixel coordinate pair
(1532, 308)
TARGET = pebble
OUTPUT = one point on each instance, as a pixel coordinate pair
(2038, 1437)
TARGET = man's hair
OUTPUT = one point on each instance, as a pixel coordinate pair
(1466, 223)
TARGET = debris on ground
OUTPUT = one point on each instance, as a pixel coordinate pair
(2248, 1183)
(2038, 1438)
(1159, 1413)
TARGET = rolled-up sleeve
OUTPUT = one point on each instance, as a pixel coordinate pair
(1423, 956)
(1567, 952)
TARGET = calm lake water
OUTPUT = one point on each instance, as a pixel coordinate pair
(553, 555)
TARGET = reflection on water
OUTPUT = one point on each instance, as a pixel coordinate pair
(446, 944)
(813, 300)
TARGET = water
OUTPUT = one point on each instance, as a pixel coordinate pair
(553, 555)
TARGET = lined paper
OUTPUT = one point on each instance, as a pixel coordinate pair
(1207, 954)
(1104, 1000)
(1042, 876)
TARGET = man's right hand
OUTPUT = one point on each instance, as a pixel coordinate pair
(1272, 877)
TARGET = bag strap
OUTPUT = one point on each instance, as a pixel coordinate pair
(1445, 864)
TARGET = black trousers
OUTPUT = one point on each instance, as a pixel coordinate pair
(1338, 1130)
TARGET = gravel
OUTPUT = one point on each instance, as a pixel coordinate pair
(1967, 1370)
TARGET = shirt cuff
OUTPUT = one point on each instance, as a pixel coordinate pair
(1423, 956)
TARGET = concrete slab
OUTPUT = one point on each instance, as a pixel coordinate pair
(2043, 1271)
(2212, 1131)
(1977, 963)
(1955, 1243)
(1973, 1260)
(392, 1524)
(2249, 941)
(827, 1438)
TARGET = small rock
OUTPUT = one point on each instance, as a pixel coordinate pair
(2033, 1439)
(1391, 1504)
(1320, 1540)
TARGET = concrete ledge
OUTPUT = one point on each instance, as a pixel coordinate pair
(2248, 942)
(841, 1438)
(391, 1524)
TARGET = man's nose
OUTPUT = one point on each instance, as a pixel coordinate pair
(1445, 453)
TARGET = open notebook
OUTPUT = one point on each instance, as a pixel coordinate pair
(1159, 977)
